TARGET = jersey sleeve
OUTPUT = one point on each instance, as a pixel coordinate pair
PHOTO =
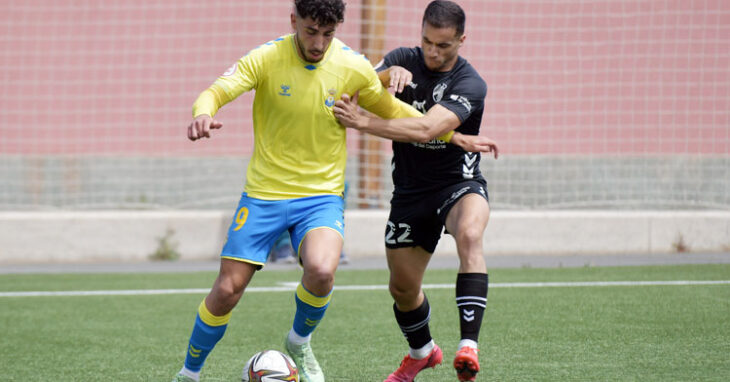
(238, 79)
(465, 96)
(398, 56)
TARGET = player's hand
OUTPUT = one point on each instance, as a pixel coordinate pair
(475, 143)
(200, 127)
(348, 113)
(400, 77)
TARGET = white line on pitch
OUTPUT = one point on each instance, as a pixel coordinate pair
(288, 287)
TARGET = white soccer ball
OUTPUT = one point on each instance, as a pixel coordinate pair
(270, 366)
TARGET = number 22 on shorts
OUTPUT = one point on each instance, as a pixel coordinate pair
(402, 238)
(241, 217)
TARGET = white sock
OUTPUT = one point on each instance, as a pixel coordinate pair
(423, 352)
(296, 339)
(470, 343)
(189, 373)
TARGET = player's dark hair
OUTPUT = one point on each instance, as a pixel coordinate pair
(324, 12)
(445, 14)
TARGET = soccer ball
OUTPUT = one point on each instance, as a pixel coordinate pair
(270, 366)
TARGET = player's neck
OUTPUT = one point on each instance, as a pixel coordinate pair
(448, 66)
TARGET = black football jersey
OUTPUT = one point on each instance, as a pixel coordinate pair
(424, 167)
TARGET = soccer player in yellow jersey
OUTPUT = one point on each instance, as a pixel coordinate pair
(295, 178)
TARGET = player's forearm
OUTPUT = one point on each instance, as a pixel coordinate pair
(401, 130)
(384, 77)
(209, 101)
(389, 107)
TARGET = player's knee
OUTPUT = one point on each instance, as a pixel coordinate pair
(470, 234)
(403, 294)
(229, 289)
(321, 278)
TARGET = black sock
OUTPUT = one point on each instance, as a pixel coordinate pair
(414, 324)
(471, 300)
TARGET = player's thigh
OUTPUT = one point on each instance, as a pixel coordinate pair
(320, 250)
(469, 215)
(407, 266)
(318, 229)
(235, 274)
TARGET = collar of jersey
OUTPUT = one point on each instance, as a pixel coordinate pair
(321, 62)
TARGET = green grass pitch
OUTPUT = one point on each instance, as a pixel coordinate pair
(576, 333)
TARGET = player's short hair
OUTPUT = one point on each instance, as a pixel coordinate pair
(324, 12)
(445, 14)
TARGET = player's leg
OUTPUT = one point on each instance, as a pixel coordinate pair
(412, 311)
(214, 312)
(318, 236)
(411, 236)
(466, 221)
(254, 228)
(320, 253)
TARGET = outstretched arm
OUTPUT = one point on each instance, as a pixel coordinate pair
(348, 113)
(438, 122)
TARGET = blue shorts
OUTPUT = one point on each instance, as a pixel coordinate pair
(257, 223)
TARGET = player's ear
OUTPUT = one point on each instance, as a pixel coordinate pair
(293, 18)
(461, 39)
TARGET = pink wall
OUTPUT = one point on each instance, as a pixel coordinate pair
(565, 77)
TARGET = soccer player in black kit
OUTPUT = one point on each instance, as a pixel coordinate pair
(437, 184)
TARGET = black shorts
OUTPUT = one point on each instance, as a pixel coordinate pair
(418, 220)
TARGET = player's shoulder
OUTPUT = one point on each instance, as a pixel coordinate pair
(404, 54)
(349, 57)
(468, 76)
(271, 48)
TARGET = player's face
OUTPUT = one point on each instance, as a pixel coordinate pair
(312, 39)
(440, 47)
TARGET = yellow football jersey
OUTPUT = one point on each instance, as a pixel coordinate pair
(299, 147)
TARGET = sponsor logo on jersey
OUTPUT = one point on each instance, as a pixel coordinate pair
(434, 144)
(463, 101)
(438, 92)
(285, 90)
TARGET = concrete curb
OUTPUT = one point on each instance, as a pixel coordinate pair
(112, 236)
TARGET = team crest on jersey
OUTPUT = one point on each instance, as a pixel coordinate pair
(438, 92)
(230, 71)
(331, 98)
